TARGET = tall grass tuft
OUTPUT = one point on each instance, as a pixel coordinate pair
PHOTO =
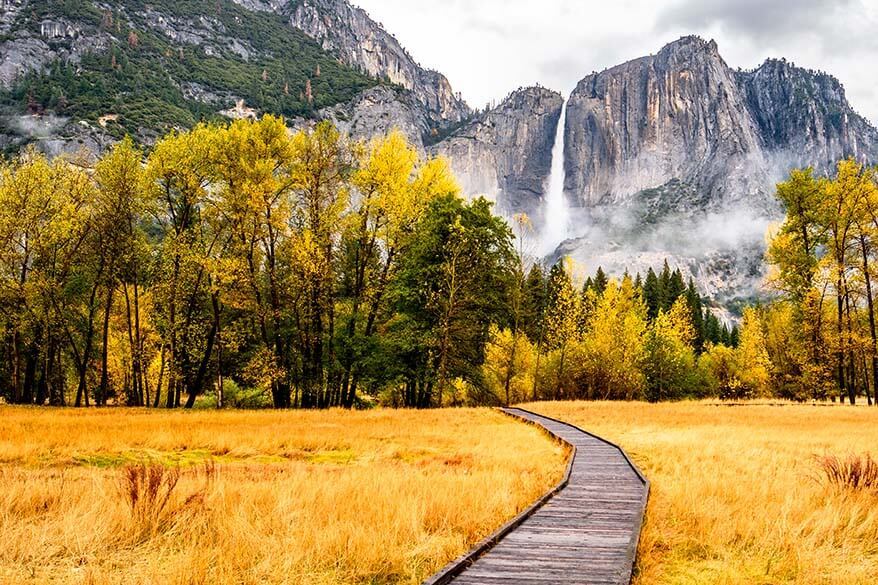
(854, 472)
(147, 489)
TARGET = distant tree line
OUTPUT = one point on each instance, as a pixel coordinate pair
(628, 339)
(245, 265)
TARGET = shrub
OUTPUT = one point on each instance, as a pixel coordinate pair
(854, 472)
(147, 488)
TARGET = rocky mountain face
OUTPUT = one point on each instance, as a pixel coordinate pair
(86, 72)
(674, 115)
(375, 112)
(683, 115)
(676, 155)
(359, 41)
(506, 153)
(805, 115)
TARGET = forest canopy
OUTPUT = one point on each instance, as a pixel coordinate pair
(247, 265)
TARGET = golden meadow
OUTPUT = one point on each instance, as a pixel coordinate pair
(739, 494)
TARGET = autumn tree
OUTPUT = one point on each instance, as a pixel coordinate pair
(179, 172)
(670, 356)
(562, 325)
(43, 230)
(615, 345)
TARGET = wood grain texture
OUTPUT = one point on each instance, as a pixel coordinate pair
(584, 531)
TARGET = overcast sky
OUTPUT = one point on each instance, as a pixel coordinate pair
(489, 47)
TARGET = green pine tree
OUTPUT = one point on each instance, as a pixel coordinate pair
(533, 303)
(734, 336)
(600, 281)
(693, 299)
(652, 294)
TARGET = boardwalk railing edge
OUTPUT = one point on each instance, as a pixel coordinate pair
(635, 541)
(458, 565)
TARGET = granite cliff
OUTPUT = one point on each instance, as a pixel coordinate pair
(506, 153)
(683, 115)
(360, 42)
(676, 155)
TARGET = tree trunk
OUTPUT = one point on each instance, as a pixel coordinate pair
(16, 367)
(839, 353)
(197, 385)
(105, 372)
(135, 397)
(852, 374)
(219, 351)
(158, 385)
(870, 304)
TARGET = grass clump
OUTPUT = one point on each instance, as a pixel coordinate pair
(147, 489)
(853, 472)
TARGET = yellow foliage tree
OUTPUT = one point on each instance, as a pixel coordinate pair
(754, 365)
(615, 344)
(670, 361)
(562, 330)
(509, 365)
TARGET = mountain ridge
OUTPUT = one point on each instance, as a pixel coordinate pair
(672, 142)
(361, 42)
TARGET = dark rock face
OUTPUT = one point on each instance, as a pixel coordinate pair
(676, 156)
(362, 43)
(805, 114)
(506, 153)
(675, 115)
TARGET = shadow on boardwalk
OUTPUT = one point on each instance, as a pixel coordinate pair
(584, 531)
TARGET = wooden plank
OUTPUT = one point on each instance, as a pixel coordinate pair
(583, 531)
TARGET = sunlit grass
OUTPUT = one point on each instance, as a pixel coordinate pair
(262, 497)
(738, 494)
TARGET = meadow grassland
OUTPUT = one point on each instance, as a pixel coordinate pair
(257, 497)
(738, 496)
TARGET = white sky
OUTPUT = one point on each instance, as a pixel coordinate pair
(488, 48)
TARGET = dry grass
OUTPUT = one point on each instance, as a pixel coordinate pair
(136, 497)
(739, 494)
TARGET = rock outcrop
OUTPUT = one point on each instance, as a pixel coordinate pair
(676, 115)
(505, 154)
(676, 155)
(683, 116)
(9, 10)
(804, 115)
(362, 43)
(375, 112)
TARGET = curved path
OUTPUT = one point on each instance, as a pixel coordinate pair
(584, 531)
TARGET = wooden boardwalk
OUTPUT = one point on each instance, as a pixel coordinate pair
(585, 531)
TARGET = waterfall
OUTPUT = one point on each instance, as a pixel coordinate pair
(556, 213)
